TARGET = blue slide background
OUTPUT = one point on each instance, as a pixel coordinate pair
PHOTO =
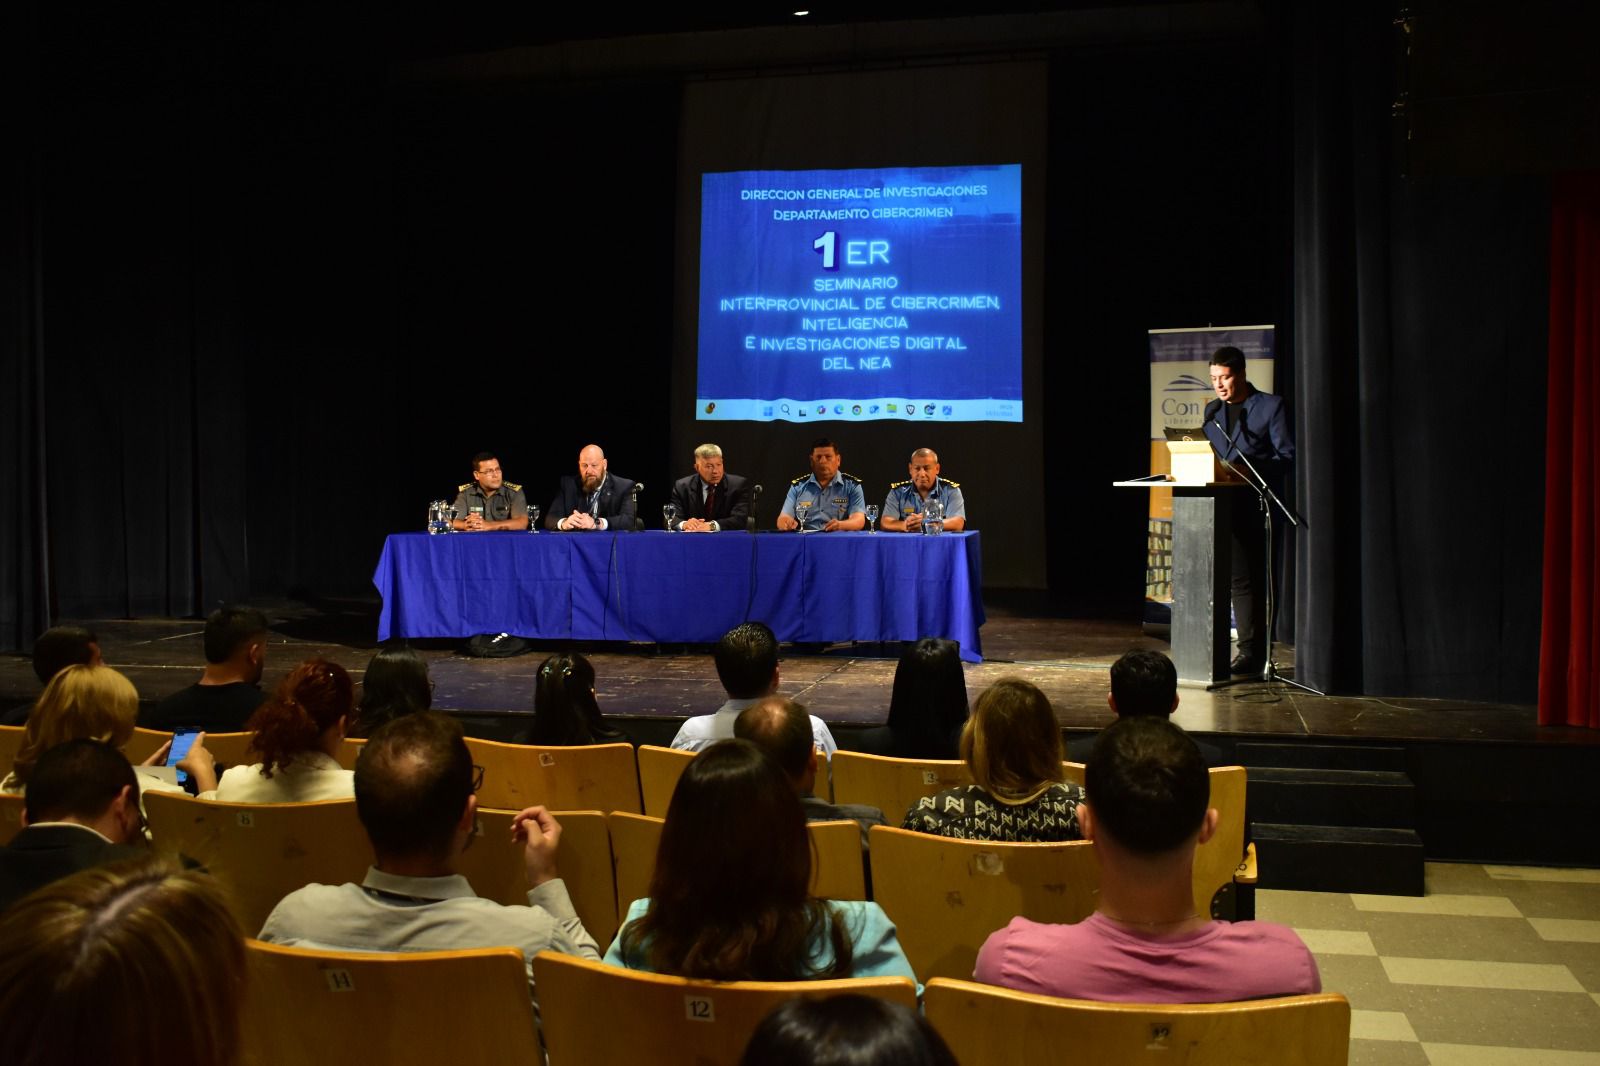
(745, 251)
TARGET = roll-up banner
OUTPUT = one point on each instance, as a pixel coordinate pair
(1180, 388)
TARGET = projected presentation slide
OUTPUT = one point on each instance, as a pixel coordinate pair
(861, 295)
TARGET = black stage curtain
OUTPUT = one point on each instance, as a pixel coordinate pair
(1420, 343)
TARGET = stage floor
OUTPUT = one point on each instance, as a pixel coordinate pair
(844, 685)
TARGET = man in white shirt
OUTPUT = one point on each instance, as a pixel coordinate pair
(415, 794)
(747, 665)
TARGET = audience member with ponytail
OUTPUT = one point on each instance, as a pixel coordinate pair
(298, 731)
(565, 711)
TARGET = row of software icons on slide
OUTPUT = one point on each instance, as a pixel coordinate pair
(800, 410)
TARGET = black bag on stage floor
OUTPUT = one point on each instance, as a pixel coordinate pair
(498, 646)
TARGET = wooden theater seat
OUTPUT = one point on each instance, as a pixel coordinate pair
(262, 851)
(946, 896)
(893, 785)
(10, 742)
(144, 743)
(659, 770)
(494, 868)
(232, 749)
(594, 777)
(594, 1013)
(987, 1025)
(836, 872)
(334, 1008)
(350, 750)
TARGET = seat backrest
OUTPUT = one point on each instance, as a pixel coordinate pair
(594, 1013)
(946, 896)
(333, 1008)
(594, 777)
(10, 741)
(836, 868)
(232, 749)
(1075, 771)
(659, 770)
(893, 785)
(10, 816)
(494, 868)
(1217, 859)
(837, 864)
(262, 851)
(144, 743)
(350, 750)
(984, 1024)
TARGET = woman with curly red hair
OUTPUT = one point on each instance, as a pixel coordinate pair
(298, 731)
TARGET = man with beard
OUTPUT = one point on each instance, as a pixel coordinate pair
(595, 499)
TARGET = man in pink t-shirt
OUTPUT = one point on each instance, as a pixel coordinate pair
(1146, 943)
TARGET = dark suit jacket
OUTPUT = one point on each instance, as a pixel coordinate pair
(733, 500)
(41, 854)
(1262, 433)
(616, 503)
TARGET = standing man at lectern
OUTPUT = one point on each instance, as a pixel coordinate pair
(1244, 420)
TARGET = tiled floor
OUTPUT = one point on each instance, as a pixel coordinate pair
(1495, 965)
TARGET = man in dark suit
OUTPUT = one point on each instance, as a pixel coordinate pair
(1142, 683)
(595, 499)
(1243, 420)
(710, 500)
(81, 810)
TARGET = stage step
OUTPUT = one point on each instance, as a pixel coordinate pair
(1381, 799)
(1328, 858)
(1321, 756)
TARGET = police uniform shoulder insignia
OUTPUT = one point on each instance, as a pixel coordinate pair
(801, 479)
(952, 484)
(849, 477)
(899, 484)
(513, 486)
(464, 488)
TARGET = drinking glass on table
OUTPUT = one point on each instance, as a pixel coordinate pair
(669, 512)
(872, 518)
(533, 519)
(800, 509)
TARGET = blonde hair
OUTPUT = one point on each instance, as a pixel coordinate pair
(138, 962)
(80, 702)
(1012, 742)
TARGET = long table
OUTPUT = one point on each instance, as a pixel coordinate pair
(690, 588)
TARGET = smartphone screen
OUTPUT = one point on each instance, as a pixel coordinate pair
(182, 741)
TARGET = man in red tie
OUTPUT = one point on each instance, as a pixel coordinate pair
(710, 499)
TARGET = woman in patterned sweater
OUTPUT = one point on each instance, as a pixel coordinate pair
(1012, 745)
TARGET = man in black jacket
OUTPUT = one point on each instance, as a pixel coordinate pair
(595, 499)
(710, 499)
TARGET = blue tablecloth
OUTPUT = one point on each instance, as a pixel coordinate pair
(682, 587)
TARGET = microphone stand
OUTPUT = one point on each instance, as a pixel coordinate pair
(1266, 498)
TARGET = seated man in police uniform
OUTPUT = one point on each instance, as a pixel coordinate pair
(595, 499)
(710, 500)
(902, 510)
(832, 500)
(489, 501)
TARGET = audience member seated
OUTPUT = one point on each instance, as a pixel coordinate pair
(927, 708)
(747, 665)
(297, 734)
(414, 793)
(137, 963)
(1146, 814)
(1012, 746)
(565, 711)
(81, 810)
(729, 898)
(56, 649)
(95, 702)
(396, 683)
(845, 1030)
(1142, 682)
(781, 728)
(228, 691)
